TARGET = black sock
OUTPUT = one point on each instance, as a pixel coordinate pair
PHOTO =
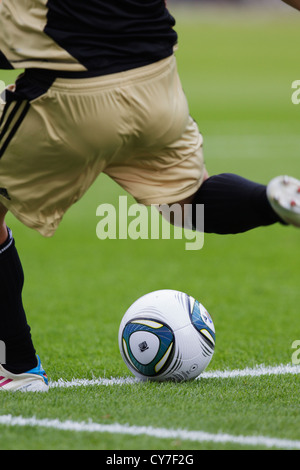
(233, 204)
(14, 330)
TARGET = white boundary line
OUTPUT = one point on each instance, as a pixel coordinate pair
(257, 371)
(160, 433)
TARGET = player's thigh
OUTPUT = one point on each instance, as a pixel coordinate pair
(42, 169)
(166, 175)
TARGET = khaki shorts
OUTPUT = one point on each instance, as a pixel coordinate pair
(133, 126)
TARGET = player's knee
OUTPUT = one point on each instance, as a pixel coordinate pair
(178, 213)
(173, 213)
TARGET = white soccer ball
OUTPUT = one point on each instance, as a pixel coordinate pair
(167, 336)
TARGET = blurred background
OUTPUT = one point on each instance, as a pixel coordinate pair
(248, 3)
(273, 5)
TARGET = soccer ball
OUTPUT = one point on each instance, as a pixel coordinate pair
(167, 336)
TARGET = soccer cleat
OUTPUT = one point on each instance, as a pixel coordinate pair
(283, 194)
(35, 380)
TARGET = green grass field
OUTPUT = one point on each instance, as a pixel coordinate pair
(237, 70)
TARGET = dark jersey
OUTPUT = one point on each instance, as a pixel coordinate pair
(101, 36)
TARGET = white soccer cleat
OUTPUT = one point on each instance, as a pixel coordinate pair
(283, 194)
(35, 380)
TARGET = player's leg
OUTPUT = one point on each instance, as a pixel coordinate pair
(233, 204)
(20, 368)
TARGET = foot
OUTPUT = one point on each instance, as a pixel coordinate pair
(35, 380)
(284, 196)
